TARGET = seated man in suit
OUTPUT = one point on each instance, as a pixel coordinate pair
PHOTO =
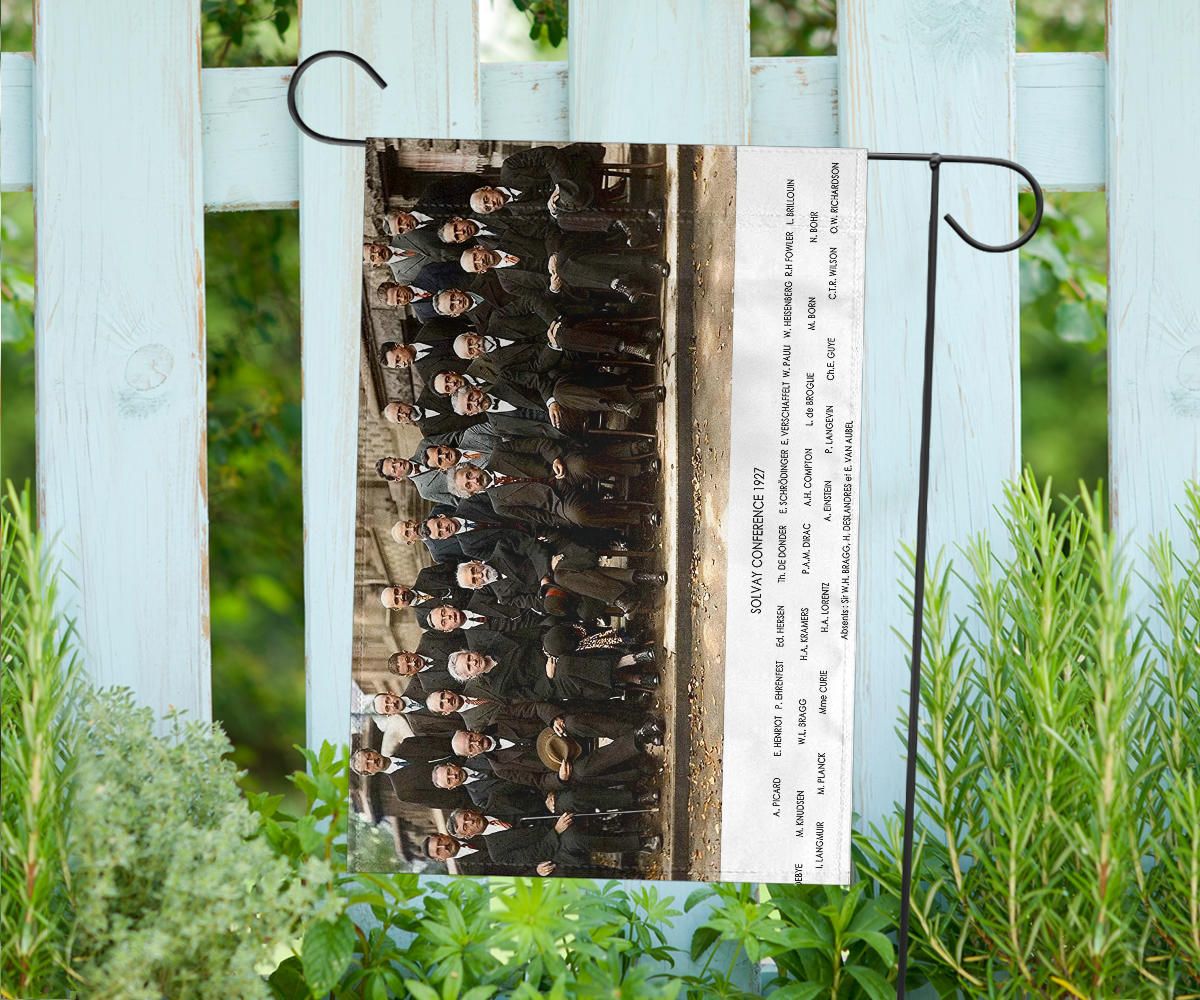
(630, 274)
(618, 764)
(398, 294)
(450, 538)
(455, 616)
(523, 267)
(543, 319)
(527, 672)
(520, 568)
(574, 170)
(546, 458)
(585, 392)
(533, 501)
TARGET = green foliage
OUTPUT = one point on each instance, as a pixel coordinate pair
(1058, 766)
(230, 24)
(256, 541)
(460, 938)
(825, 941)
(38, 746)
(547, 18)
(177, 893)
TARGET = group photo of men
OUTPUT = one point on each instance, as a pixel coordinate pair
(509, 715)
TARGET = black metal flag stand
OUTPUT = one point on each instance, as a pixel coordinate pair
(935, 161)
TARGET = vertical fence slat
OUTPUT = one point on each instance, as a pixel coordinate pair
(675, 73)
(427, 51)
(660, 72)
(1153, 294)
(926, 76)
(120, 339)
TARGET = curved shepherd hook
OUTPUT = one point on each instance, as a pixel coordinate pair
(294, 83)
(935, 161)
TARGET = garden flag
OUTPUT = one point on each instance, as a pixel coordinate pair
(606, 558)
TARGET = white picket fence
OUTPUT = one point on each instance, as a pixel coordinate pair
(127, 142)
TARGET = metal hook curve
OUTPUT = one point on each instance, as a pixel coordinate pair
(316, 57)
(1038, 198)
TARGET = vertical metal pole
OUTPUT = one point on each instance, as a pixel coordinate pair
(914, 694)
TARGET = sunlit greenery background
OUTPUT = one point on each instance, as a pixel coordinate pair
(252, 259)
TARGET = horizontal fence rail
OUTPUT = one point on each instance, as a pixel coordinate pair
(251, 157)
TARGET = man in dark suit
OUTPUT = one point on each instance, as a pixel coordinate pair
(535, 502)
(572, 170)
(452, 302)
(434, 585)
(414, 783)
(427, 241)
(430, 483)
(546, 319)
(441, 549)
(518, 273)
(530, 392)
(424, 750)
(448, 617)
(545, 848)
(546, 458)
(630, 274)
(448, 196)
(426, 665)
(519, 568)
(429, 417)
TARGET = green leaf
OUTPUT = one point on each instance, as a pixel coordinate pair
(282, 20)
(1073, 323)
(535, 30)
(703, 939)
(554, 32)
(798, 991)
(881, 944)
(872, 982)
(326, 953)
(696, 896)
(421, 991)
(287, 981)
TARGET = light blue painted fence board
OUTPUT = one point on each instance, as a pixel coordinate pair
(120, 344)
(646, 73)
(660, 72)
(1154, 294)
(923, 76)
(251, 159)
(427, 50)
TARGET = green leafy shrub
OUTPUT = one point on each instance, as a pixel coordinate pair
(1057, 801)
(176, 892)
(825, 941)
(463, 938)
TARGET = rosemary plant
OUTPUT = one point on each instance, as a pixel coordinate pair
(1058, 801)
(37, 746)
